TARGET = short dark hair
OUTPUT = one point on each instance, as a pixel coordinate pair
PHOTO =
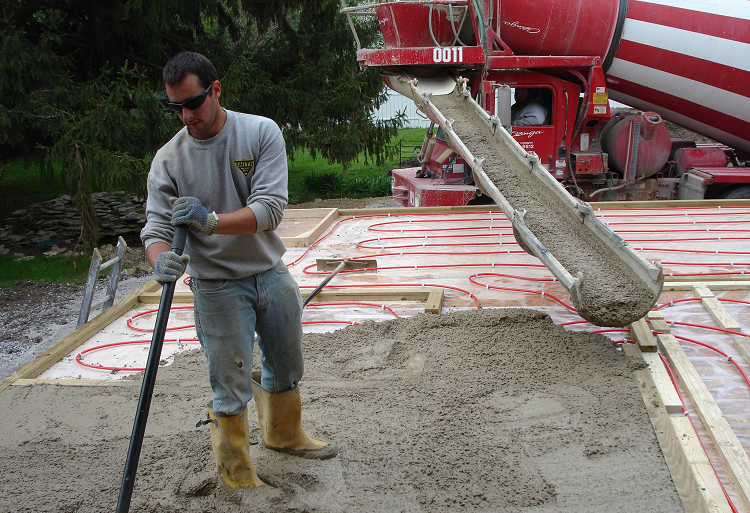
(189, 62)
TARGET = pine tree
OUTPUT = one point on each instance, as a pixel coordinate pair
(80, 82)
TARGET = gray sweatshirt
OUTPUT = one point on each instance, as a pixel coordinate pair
(244, 165)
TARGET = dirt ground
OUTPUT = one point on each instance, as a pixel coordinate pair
(492, 410)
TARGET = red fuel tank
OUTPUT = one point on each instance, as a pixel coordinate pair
(688, 158)
(651, 147)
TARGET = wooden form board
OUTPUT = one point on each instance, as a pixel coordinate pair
(55, 353)
(742, 344)
(657, 322)
(716, 309)
(75, 382)
(326, 217)
(663, 384)
(717, 278)
(596, 206)
(713, 285)
(641, 332)
(691, 470)
(433, 296)
(733, 456)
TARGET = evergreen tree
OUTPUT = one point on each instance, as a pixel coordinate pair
(80, 82)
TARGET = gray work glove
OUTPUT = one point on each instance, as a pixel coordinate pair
(170, 266)
(188, 210)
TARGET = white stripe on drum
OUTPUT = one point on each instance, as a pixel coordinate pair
(681, 119)
(732, 8)
(731, 104)
(722, 51)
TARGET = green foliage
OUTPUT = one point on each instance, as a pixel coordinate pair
(20, 185)
(57, 269)
(302, 72)
(80, 83)
(333, 185)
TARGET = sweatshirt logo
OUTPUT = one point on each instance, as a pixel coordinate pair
(244, 165)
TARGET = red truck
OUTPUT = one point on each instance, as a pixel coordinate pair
(678, 60)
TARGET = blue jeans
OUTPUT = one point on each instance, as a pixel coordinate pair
(227, 315)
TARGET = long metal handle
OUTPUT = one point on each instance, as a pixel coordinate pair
(149, 379)
(323, 283)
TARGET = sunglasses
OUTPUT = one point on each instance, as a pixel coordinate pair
(191, 103)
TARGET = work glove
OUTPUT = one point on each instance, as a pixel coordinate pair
(188, 210)
(169, 266)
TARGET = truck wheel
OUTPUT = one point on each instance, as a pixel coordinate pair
(741, 192)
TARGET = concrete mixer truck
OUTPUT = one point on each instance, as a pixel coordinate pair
(679, 60)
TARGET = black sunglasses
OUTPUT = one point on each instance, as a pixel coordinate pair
(191, 103)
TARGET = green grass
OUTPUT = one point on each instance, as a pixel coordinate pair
(361, 176)
(308, 179)
(20, 186)
(57, 269)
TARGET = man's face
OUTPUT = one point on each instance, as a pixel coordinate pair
(521, 94)
(205, 121)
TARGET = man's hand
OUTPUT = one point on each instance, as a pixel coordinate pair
(188, 210)
(169, 266)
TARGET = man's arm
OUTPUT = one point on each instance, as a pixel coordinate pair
(269, 183)
(154, 250)
(533, 114)
(239, 222)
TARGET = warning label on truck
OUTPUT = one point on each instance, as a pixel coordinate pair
(600, 98)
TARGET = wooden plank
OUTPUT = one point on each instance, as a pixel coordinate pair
(76, 382)
(742, 344)
(642, 335)
(323, 225)
(56, 352)
(330, 264)
(702, 291)
(708, 484)
(307, 213)
(719, 314)
(328, 294)
(326, 215)
(435, 301)
(357, 212)
(632, 350)
(603, 205)
(716, 309)
(155, 296)
(708, 277)
(658, 323)
(713, 285)
(663, 383)
(733, 456)
(373, 294)
(670, 204)
(692, 475)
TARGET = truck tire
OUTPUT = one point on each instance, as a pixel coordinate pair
(740, 192)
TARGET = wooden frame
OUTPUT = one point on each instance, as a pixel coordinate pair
(312, 235)
(55, 353)
(731, 453)
(432, 296)
(691, 470)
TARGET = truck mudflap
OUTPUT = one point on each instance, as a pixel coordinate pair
(609, 283)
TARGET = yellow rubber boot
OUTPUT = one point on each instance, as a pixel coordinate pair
(280, 419)
(231, 444)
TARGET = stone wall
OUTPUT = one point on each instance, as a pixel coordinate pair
(53, 226)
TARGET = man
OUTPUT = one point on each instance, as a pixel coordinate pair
(529, 109)
(224, 175)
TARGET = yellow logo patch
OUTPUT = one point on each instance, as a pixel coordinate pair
(244, 165)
